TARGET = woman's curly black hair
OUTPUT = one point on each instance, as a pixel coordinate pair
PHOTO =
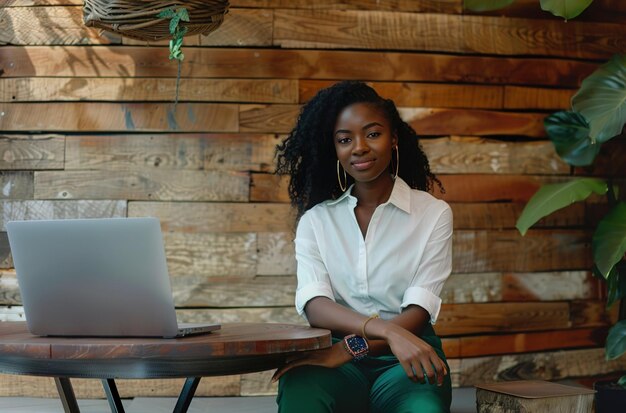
(308, 154)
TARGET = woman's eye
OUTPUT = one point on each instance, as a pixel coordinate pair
(343, 140)
(374, 134)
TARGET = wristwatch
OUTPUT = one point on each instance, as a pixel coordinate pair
(356, 345)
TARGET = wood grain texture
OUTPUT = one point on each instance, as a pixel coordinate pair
(18, 210)
(456, 155)
(500, 215)
(126, 62)
(459, 188)
(142, 185)
(539, 286)
(243, 27)
(487, 401)
(477, 346)
(442, 6)
(211, 254)
(119, 117)
(518, 97)
(225, 152)
(16, 185)
(464, 34)
(32, 152)
(425, 121)
(422, 94)
(31, 386)
(49, 25)
(148, 89)
(225, 292)
(9, 289)
(216, 216)
(458, 319)
(543, 365)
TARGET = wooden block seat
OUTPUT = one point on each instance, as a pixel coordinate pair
(532, 396)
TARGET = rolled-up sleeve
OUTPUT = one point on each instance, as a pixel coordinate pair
(434, 268)
(313, 279)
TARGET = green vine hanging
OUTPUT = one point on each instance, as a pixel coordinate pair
(177, 32)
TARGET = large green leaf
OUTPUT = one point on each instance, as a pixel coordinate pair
(601, 99)
(568, 9)
(486, 5)
(616, 341)
(615, 284)
(609, 240)
(552, 197)
(569, 132)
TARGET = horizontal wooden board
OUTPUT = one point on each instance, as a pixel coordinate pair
(211, 254)
(440, 6)
(433, 121)
(125, 61)
(226, 152)
(16, 185)
(510, 286)
(18, 210)
(544, 365)
(458, 319)
(518, 97)
(464, 34)
(31, 386)
(142, 185)
(119, 117)
(201, 291)
(425, 121)
(31, 151)
(216, 216)
(459, 188)
(477, 346)
(423, 94)
(49, 25)
(458, 154)
(147, 89)
(243, 27)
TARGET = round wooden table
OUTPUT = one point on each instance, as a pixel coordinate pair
(235, 349)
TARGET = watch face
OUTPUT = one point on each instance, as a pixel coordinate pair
(357, 344)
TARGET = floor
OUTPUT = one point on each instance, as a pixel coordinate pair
(463, 401)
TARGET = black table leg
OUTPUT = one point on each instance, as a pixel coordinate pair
(186, 395)
(115, 403)
(66, 393)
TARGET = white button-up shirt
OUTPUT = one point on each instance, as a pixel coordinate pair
(405, 258)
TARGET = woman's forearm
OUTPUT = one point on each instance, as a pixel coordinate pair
(325, 313)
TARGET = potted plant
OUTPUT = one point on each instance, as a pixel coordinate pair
(598, 115)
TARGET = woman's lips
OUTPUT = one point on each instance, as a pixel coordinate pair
(363, 165)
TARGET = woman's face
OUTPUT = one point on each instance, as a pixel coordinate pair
(364, 141)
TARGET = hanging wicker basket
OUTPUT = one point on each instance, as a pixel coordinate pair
(138, 19)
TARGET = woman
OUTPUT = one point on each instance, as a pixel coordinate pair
(373, 250)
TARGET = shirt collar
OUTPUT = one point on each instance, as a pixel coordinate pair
(400, 196)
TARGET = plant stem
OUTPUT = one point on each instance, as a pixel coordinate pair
(177, 85)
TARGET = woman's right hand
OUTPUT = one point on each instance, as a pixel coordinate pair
(415, 355)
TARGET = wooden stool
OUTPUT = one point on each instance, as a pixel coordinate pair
(532, 396)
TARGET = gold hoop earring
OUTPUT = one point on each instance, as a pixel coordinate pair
(345, 178)
(397, 162)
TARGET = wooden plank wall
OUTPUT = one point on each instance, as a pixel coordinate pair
(88, 129)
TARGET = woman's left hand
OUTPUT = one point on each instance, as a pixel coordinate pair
(332, 357)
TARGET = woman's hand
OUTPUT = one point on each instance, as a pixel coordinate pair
(332, 357)
(416, 356)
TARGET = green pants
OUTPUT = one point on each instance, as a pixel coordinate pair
(374, 384)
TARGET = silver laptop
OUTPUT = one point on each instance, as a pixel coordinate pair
(95, 277)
